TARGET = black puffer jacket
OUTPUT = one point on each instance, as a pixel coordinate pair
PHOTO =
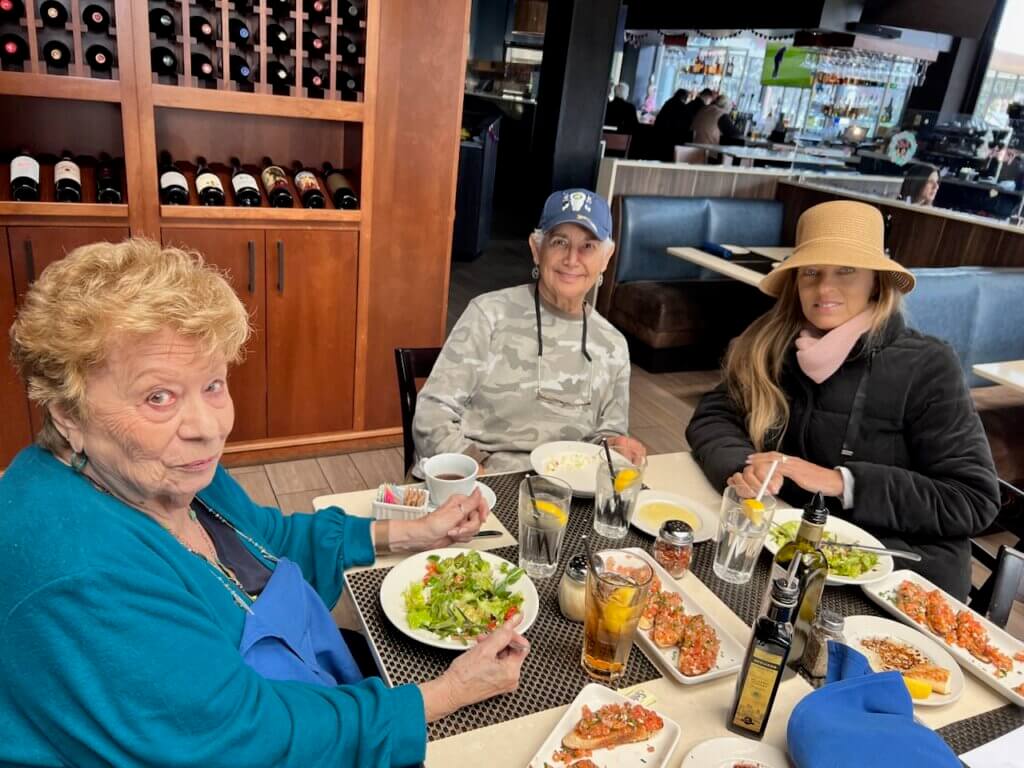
(922, 468)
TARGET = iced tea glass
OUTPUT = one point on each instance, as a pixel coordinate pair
(615, 600)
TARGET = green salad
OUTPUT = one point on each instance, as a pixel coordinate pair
(462, 597)
(841, 561)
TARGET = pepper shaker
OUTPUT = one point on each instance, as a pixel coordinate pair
(673, 549)
(572, 589)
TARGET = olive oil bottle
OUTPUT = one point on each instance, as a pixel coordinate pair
(811, 571)
(759, 679)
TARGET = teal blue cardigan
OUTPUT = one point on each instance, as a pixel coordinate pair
(119, 647)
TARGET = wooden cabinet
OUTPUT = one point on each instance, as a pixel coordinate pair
(15, 429)
(34, 248)
(311, 321)
(240, 252)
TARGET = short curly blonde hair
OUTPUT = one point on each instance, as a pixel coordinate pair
(82, 304)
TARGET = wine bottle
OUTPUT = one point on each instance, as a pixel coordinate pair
(13, 49)
(164, 61)
(202, 67)
(67, 179)
(315, 45)
(278, 38)
(307, 186)
(349, 81)
(281, 9)
(244, 7)
(108, 180)
(56, 54)
(11, 11)
(161, 23)
(173, 184)
(279, 77)
(238, 32)
(312, 79)
(209, 5)
(348, 49)
(53, 13)
(275, 182)
(99, 58)
(811, 570)
(208, 186)
(348, 11)
(247, 191)
(97, 19)
(202, 30)
(241, 72)
(318, 10)
(24, 177)
(340, 188)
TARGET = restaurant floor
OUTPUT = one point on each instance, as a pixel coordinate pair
(660, 407)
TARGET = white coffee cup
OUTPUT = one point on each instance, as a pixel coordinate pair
(448, 474)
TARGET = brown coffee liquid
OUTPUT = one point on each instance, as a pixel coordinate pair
(450, 476)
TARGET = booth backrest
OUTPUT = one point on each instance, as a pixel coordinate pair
(978, 310)
(648, 224)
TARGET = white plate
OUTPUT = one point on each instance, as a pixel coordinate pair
(726, 751)
(583, 478)
(730, 652)
(624, 756)
(412, 569)
(845, 532)
(707, 519)
(859, 628)
(488, 495)
(884, 594)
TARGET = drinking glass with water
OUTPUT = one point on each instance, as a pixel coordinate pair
(544, 504)
(615, 498)
(742, 529)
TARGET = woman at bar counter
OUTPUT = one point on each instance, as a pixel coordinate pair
(833, 385)
(150, 613)
(535, 363)
(920, 184)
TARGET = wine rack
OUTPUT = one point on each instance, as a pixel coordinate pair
(301, 48)
(61, 37)
(47, 193)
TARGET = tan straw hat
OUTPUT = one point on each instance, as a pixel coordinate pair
(841, 233)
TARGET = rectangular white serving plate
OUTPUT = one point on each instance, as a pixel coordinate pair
(881, 592)
(624, 756)
(730, 653)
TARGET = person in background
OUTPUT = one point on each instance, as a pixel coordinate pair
(151, 614)
(620, 111)
(833, 385)
(674, 124)
(535, 363)
(713, 125)
(778, 134)
(920, 184)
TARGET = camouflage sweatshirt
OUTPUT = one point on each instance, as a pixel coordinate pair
(492, 396)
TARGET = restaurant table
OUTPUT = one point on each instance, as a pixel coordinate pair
(748, 156)
(1010, 373)
(717, 264)
(469, 737)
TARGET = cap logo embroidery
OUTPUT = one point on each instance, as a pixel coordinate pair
(577, 201)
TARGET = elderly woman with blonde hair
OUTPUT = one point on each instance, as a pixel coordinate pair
(151, 613)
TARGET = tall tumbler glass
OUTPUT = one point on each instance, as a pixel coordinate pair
(544, 504)
(742, 528)
(615, 600)
(615, 499)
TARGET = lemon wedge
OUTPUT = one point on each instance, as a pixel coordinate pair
(919, 689)
(754, 510)
(618, 610)
(625, 478)
(549, 508)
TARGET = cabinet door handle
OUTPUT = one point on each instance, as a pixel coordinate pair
(30, 262)
(280, 266)
(252, 267)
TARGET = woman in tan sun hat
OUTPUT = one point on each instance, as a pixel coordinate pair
(851, 402)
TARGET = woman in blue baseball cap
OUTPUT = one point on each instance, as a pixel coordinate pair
(535, 363)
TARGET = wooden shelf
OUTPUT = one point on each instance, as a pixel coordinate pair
(257, 104)
(101, 213)
(59, 87)
(201, 214)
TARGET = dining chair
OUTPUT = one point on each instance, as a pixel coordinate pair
(412, 364)
(616, 144)
(1006, 584)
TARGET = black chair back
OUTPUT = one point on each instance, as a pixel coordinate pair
(1005, 585)
(411, 364)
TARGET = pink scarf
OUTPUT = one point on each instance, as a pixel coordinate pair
(820, 355)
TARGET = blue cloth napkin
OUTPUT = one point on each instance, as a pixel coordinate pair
(862, 718)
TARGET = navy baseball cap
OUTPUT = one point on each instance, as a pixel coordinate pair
(577, 206)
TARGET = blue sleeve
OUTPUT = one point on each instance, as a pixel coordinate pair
(323, 544)
(123, 666)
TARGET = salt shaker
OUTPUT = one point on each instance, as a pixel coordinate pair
(827, 626)
(572, 589)
(673, 549)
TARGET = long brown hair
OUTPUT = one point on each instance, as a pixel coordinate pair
(753, 364)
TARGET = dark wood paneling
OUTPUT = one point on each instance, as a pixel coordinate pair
(15, 429)
(1010, 251)
(414, 156)
(914, 241)
(976, 245)
(230, 249)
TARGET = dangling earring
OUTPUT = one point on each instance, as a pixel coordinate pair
(535, 273)
(600, 280)
(78, 461)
